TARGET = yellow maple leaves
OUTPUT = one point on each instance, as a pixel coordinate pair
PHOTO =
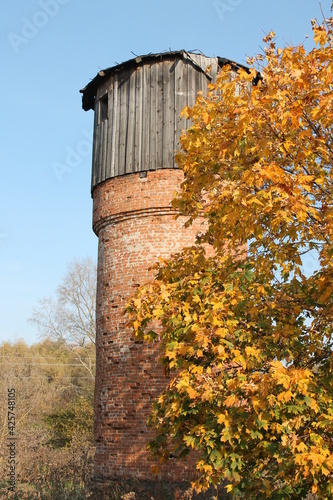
(245, 330)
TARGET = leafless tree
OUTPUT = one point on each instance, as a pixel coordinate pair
(69, 315)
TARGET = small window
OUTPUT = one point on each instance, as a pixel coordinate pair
(103, 102)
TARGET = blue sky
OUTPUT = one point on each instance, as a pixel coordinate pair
(51, 49)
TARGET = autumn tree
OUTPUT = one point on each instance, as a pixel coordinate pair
(68, 316)
(53, 420)
(245, 329)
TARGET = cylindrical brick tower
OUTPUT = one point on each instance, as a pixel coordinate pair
(137, 126)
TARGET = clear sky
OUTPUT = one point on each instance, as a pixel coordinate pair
(51, 49)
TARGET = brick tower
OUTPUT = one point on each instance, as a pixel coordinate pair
(137, 126)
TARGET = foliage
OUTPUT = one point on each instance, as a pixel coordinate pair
(245, 330)
(77, 418)
(54, 383)
(47, 379)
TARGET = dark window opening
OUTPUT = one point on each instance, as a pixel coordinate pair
(103, 108)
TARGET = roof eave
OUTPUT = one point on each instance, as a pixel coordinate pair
(90, 90)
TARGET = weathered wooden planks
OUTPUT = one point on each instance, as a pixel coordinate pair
(143, 124)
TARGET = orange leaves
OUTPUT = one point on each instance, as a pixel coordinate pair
(279, 374)
(206, 118)
(187, 112)
(320, 35)
(314, 461)
(269, 37)
(295, 381)
(231, 400)
(253, 351)
(285, 396)
(246, 328)
(301, 447)
(192, 393)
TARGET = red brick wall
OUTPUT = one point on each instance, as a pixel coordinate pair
(135, 225)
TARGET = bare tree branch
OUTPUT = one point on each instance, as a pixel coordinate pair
(69, 315)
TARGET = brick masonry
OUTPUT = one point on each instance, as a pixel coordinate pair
(135, 225)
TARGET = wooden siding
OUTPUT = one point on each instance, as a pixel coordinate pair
(143, 124)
